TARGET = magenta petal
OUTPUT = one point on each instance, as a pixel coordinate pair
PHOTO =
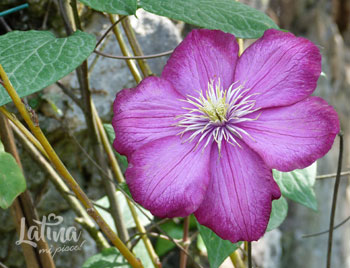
(281, 68)
(168, 177)
(145, 113)
(202, 55)
(237, 204)
(293, 136)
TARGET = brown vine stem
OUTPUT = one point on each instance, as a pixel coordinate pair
(62, 188)
(185, 242)
(334, 201)
(108, 30)
(18, 210)
(36, 130)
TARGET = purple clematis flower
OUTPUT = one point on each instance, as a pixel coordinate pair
(204, 137)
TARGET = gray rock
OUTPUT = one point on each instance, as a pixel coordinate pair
(267, 251)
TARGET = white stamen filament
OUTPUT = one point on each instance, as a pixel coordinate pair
(214, 116)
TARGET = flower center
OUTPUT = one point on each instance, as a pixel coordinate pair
(214, 104)
(214, 115)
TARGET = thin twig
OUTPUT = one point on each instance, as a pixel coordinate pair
(69, 93)
(97, 57)
(162, 54)
(64, 14)
(135, 46)
(124, 49)
(44, 24)
(108, 30)
(334, 201)
(3, 265)
(324, 232)
(329, 176)
(4, 23)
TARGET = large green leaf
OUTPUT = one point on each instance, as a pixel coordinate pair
(111, 258)
(36, 59)
(226, 15)
(122, 7)
(128, 219)
(298, 184)
(12, 181)
(107, 258)
(278, 213)
(217, 248)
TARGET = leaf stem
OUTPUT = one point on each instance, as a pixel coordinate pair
(334, 201)
(249, 247)
(237, 260)
(185, 242)
(134, 262)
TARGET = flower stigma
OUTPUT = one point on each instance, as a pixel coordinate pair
(214, 116)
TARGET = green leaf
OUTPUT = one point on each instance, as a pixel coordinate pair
(172, 229)
(128, 219)
(278, 213)
(111, 258)
(34, 60)
(122, 7)
(122, 160)
(226, 15)
(108, 258)
(200, 245)
(141, 252)
(217, 248)
(125, 188)
(298, 184)
(12, 181)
